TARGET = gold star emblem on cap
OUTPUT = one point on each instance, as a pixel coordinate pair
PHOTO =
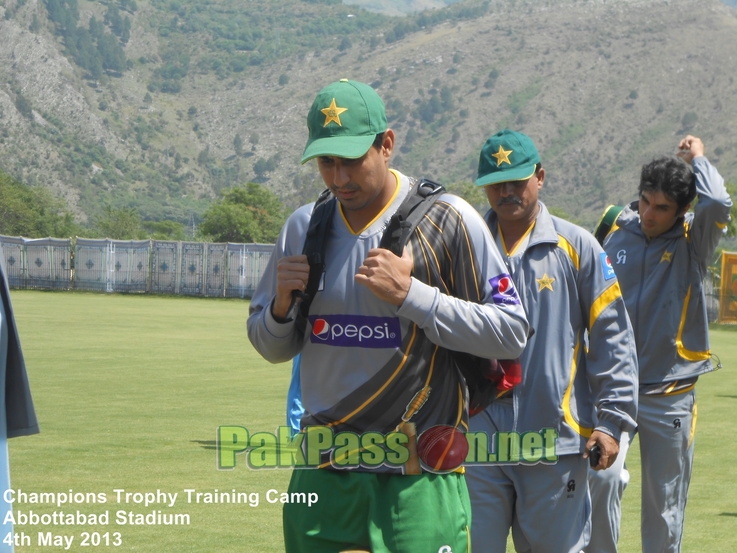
(332, 113)
(667, 256)
(545, 282)
(501, 156)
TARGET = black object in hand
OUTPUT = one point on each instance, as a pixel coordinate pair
(594, 455)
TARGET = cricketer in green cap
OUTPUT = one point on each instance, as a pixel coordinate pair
(507, 156)
(510, 172)
(344, 120)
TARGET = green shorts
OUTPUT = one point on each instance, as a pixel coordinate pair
(381, 513)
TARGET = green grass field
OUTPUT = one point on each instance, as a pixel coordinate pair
(130, 390)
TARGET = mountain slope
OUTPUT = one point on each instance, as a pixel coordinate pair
(399, 7)
(602, 87)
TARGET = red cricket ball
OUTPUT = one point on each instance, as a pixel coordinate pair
(442, 448)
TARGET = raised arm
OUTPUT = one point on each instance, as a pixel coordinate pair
(711, 214)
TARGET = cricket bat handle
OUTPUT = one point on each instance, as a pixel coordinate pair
(412, 466)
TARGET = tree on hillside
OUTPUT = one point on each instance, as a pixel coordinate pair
(119, 224)
(114, 19)
(249, 213)
(164, 230)
(689, 119)
(84, 50)
(35, 24)
(32, 212)
(128, 5)
(263, 166)
(23, 105)
(92, 49)
(238, 145)
(113, 57)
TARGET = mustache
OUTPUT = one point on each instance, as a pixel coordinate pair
(349, 187)
(509, 200)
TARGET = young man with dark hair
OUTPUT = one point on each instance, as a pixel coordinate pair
(660, 253)
(380, 335)
(671, 176)
(579, 370)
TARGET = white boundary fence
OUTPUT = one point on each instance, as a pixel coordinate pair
(135, 266)
(160, 267)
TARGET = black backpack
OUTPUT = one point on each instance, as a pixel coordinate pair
(481, 375)
(606, 222)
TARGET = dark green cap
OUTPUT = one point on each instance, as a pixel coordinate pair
(507, 156)
(344, 120)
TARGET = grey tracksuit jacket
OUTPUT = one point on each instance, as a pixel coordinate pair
(572, 298)
(661, 282)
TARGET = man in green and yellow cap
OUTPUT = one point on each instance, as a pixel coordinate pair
(377, 346)
(584, 394)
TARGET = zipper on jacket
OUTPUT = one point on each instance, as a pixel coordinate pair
(640, 288)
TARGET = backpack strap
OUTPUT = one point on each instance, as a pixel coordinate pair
(395, 237)
(606, 222)
(314, 248)
(404, 222)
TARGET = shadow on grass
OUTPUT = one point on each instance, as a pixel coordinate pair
(205, 444)
(728, 514)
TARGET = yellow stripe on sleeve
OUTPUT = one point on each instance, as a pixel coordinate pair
(694, 416)
(687, 354)
(567, 415)
(603, 301)
(566, 246)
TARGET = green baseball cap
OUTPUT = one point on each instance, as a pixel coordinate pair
(507, 156)
(344, 120)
